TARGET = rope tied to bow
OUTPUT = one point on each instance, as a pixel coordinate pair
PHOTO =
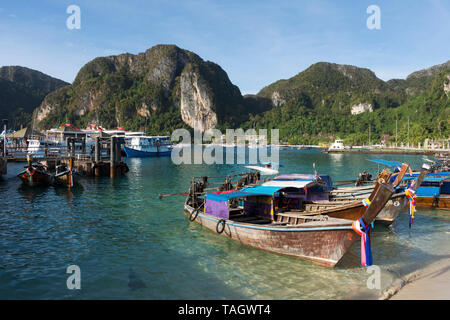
(364, 232)
(411, 195)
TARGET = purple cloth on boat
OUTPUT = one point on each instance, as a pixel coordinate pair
(217, 209)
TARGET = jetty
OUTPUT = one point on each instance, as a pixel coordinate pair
(103, 160)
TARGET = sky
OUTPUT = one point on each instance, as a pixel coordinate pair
(256, 42)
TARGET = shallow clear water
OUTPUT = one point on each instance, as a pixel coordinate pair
(131, 245)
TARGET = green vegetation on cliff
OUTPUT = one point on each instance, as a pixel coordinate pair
(165, 88)
(159, 90)
(21, 91)
(315, 106)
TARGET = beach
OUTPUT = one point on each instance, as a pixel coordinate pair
(430, 283)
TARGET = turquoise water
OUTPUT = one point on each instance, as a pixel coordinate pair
(131, 245)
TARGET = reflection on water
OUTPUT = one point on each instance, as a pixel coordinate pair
(129, 244)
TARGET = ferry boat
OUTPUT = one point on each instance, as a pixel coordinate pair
(147, 146)
(38, 148)
(337, 145)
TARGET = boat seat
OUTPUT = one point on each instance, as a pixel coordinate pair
(279, 223)
(237, 215)
(260, 221)
(243, 218)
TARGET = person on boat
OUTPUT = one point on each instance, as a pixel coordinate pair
(395, 174)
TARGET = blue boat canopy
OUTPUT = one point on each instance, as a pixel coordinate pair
(427, 178)
(228, 195)
(263, 190)
(386, 162)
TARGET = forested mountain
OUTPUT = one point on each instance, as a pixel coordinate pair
(160, 90)
(166, 87)
(328, 100)
(22, 91)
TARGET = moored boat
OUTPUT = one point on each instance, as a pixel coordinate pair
(394, 206)
(147, 146)
(248, 216)
(35, 174)
(338, 145)
(328, 201)
(66, 175)
(434, 190)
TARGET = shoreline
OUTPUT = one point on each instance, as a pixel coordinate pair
(395, 151)
(429, 283)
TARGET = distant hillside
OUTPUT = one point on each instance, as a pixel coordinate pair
(22, 91)
(162, 89)
(418, 81)
(332, 86)
(167, 87)
(329, 100)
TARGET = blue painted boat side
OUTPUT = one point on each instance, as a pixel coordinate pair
(132, 153)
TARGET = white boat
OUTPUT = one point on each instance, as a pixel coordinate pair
(43, 148)
(268, 169)
(147, 146)
(337, 145)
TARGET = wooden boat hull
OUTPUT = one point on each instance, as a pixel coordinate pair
(64, 179)
(350, 211)
(36, 179)
(392, 209)
(386, 216)
(442, 201)
(319, 242)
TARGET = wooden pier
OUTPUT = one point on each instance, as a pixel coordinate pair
(103, 160)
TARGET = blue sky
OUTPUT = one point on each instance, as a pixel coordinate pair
(255, 42)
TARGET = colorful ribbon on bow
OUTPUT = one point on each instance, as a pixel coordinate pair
(366, 202)
(411, 195)
(71, 172)
(364, 231)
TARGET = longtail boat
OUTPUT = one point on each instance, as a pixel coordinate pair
(441, 163)
(247, 216)
(35, 174)
(394, 206)
(323, 202)
(434, 190)
(66, 176)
